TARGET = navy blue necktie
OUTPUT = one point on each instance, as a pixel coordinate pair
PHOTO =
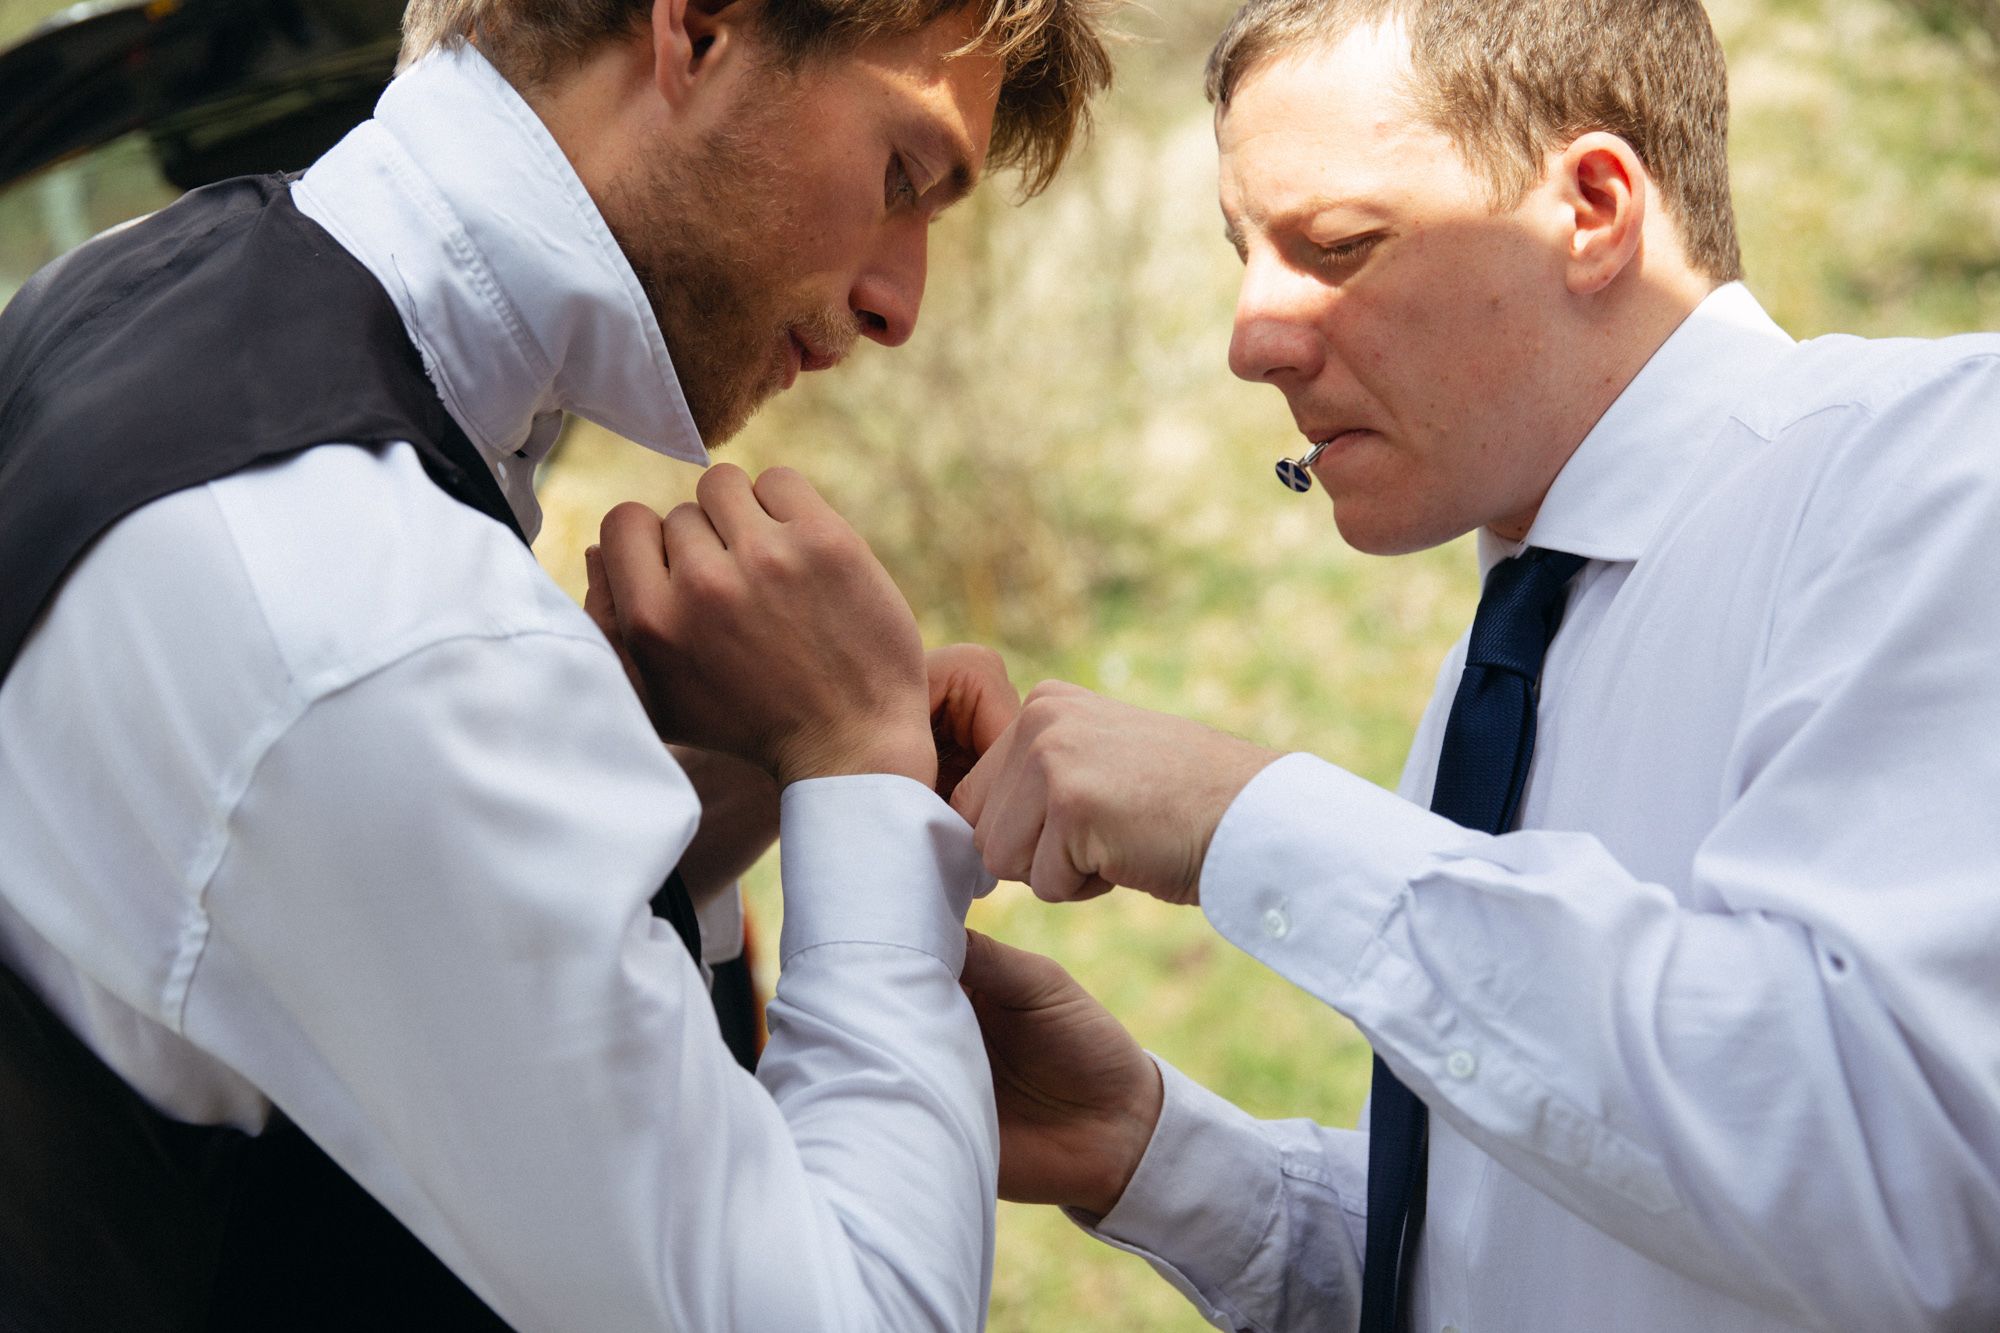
(1488, 741)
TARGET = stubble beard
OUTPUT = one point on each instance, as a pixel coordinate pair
(704, 232)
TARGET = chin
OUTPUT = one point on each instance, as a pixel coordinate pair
(1374, 529)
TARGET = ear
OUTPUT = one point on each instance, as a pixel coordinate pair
(691, 39)
(1605, 189)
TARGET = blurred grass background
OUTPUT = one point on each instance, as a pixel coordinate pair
(1060, 465)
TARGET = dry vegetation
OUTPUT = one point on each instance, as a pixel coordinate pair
(1060, 465)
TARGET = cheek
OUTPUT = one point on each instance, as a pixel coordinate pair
(1439, 384)
(827, 216)
(1460, 357)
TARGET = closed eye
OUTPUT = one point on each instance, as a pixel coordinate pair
(899, 190)
(1345, 254)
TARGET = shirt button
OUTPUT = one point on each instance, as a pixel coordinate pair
(1460, 1064)
(1276, 924)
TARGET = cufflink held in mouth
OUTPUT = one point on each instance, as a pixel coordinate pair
(1296, 473)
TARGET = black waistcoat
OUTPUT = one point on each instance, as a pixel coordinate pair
(223, 331)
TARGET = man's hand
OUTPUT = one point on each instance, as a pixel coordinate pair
(972, 705)
(1084, 793)
(739, 820)
(757, 623)
(1078, 1100)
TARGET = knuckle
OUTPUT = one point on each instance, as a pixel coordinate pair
(833, 544)
(830, 528)
(720, 474)
(1060, 792)
(769, 560)
(648, 627)
(1041, 712)
(624, 516)
(706, 582)
(1046, 693)
(1042, 751)
(680, 529)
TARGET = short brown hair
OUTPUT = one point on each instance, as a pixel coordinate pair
(1513, 80)
(1052, 51)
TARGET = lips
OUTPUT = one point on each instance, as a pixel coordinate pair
(1328, 434)
(791, 359)
(1334, 439)
(810, 358)
(1329, 446)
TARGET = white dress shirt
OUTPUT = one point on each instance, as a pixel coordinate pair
(1714, 1043)
(315, 791)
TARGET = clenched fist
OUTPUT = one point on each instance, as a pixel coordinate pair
(757, 623)
(1083, 793)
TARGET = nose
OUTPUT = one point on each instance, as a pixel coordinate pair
(890, 287)
(1274, 339)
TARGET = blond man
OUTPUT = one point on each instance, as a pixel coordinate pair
(1676, 947)
(334, 993)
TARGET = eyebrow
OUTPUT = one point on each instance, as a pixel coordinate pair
(959, 179)
(1304, 208)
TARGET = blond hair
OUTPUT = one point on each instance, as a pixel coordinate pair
(1052, 52)
(1510, 81)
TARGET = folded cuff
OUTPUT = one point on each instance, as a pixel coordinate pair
(875, 859)
(721, 920)
(1308, 863)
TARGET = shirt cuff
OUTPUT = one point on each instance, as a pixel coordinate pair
(1203, 1197)
(875, 859)
(1310, 861)
(721, 920)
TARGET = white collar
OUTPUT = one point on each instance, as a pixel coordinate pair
(459, 201)
(1610, 498)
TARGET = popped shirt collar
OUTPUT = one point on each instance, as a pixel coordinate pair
(1610, 498)
(456, 197)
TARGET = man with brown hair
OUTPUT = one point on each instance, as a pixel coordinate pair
(1676, 947)
(330, 996)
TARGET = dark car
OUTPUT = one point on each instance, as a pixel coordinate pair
(109, 109)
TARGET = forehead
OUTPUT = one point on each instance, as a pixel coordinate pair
(1331, 122)
(930, 73)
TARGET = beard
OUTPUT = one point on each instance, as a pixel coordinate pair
(706, 231)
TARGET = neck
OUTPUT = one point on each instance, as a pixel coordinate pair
(1615, 333)
(597, 111)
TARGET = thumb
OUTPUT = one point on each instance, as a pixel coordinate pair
(978, 960)
(1004, 977)
(597, 602)
(969, 797)
(971, 694)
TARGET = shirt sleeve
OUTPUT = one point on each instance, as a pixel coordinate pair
(1258, 1223)
(428, 941)
(1781, 1078)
